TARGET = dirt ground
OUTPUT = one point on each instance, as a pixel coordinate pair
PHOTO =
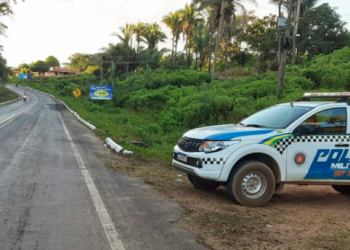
(299, 217)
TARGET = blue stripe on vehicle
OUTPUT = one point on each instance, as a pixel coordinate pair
(232, 135)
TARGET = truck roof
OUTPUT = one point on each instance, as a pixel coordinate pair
(313, 104)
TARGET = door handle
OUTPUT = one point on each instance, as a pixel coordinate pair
(342, 145)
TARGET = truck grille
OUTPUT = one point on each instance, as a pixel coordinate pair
(189, 145)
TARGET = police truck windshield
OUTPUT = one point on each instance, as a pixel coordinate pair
(278, 117)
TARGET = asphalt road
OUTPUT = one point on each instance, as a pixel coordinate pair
(57, 194)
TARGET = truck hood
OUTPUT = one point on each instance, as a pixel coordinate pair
(225, 132)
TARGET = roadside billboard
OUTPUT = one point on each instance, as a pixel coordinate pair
(20, 76)
(100, 92)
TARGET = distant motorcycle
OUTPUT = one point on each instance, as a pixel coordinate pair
(25, 98)
(16, 84)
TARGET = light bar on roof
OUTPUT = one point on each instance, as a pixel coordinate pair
(327, 95)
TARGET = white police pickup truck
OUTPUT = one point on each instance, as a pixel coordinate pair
(304, 142)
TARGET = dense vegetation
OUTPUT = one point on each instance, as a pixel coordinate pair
(157, 106)
(219, 36)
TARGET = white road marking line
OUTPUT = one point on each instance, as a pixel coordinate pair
(111, 232)
(12, 118)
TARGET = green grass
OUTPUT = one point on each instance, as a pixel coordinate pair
(123, 125)
(6, 95)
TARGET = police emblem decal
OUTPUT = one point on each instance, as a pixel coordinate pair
(300, 158)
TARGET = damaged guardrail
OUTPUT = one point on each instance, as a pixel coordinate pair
(116, 147)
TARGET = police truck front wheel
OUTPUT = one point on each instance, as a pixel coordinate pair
(202, 183)
(342, 189)
(251, 183)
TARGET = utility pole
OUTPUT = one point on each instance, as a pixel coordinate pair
(101, 69)
(296, 24)
(279, 34)
(286, 46)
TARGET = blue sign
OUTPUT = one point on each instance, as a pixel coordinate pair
(101, 92)
(29, 76)
(20, 76)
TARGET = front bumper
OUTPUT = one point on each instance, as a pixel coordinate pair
(206, 166)
(208, 175)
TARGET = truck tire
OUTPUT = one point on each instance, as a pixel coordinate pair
(342, 189)
(202, 183)
(251, 184)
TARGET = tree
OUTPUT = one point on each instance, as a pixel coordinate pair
(126, 34)
(83, 61)
(306, 5)
(91, 69)
(39, 66)
(139, 29)
(261, 36)
(299, 9)
(190, 18)
(210, 24)
(26, 71)
(200, 42)
(174, 21)
(232, 31)
(151, 58)
(52, 61)
(5, 10)
(224, 12)
(322, 31)
(23, 66)
(153, 35)
(125, 59)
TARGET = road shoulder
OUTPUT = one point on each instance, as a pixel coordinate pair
(143, 217)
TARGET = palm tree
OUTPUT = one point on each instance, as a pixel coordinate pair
(153, 35)
(210, 24)
(200, 42)
(300, 7)
(190, 18)
(224, 13)
(5, 8)
(138, 28)
(126, 34)
(232, 30)
(175, 23)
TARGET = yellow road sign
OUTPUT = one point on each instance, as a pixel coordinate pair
(77, 93)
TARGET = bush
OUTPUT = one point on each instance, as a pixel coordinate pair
(304, 83)
(96, 108)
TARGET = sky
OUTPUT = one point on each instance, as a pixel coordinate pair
(41, 28)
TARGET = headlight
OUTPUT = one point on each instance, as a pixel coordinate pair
(215, 146)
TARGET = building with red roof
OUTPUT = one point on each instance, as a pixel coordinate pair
(62, 72)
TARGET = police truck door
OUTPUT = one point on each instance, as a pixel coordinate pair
(323, 154)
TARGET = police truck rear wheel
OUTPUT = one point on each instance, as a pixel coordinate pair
(342, 189)
(202, 183)
(251, 184)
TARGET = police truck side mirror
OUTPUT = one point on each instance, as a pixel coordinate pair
(305, 129)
